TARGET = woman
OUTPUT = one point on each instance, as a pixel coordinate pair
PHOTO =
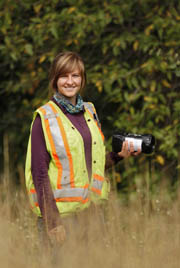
(66, 153)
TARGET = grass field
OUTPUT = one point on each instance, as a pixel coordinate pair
(137, 236)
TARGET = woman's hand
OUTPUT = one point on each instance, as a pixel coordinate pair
(57, 234)
(128, 150)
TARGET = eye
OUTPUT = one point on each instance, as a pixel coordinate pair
(76, 75)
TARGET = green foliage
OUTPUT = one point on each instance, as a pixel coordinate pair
(131, 51)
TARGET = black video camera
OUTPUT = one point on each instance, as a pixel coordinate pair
(145, 142)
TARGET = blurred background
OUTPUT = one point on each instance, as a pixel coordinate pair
(132, 57)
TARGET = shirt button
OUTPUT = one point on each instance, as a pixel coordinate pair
(94, 161)
(89, 120)
(73, 128)
(94, 142)
(84, 171)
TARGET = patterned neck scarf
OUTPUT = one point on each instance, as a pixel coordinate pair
(72, 109)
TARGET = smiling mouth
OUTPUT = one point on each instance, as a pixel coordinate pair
(70, 88)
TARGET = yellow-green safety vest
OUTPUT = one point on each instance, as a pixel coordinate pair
(72, 189)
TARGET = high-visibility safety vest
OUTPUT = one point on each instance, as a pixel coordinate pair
(72, 189)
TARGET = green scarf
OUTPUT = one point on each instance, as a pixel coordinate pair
(72, 109)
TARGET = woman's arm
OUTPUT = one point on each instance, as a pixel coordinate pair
(112, 159)
(40, 159)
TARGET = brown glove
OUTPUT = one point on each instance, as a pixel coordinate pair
(57, 234)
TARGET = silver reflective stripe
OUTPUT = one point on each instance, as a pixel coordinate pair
(59, 144)
(89, 107)
(97, 184)
(48, 116)
(34, 197)
(73, 192)
(65, 193)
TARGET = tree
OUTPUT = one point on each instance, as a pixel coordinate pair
(131, 51)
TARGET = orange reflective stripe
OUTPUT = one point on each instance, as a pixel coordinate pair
(66, 146)
(98, 177)
(66, 199)
(72, 199)
(85, 200)
(97, 191)
(97, 183)
(35, 205)
(96, 123)
(54, 153)
(32, 191)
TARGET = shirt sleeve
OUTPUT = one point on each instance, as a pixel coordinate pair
(40, 159)
(112, 158)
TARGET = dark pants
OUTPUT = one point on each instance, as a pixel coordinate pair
(84, 231)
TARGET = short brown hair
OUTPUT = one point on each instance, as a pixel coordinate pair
(66, 62)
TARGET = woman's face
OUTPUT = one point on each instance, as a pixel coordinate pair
(69, 85)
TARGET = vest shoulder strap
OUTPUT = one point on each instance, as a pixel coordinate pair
(90, 107)
(53, 113)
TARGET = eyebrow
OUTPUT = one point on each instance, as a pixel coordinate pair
(71, 71)
(75, 72)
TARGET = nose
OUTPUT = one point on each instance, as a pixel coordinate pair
(70, 79)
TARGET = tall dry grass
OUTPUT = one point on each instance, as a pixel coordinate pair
(136, 236)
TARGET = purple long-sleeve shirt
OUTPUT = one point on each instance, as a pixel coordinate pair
(40, 159)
